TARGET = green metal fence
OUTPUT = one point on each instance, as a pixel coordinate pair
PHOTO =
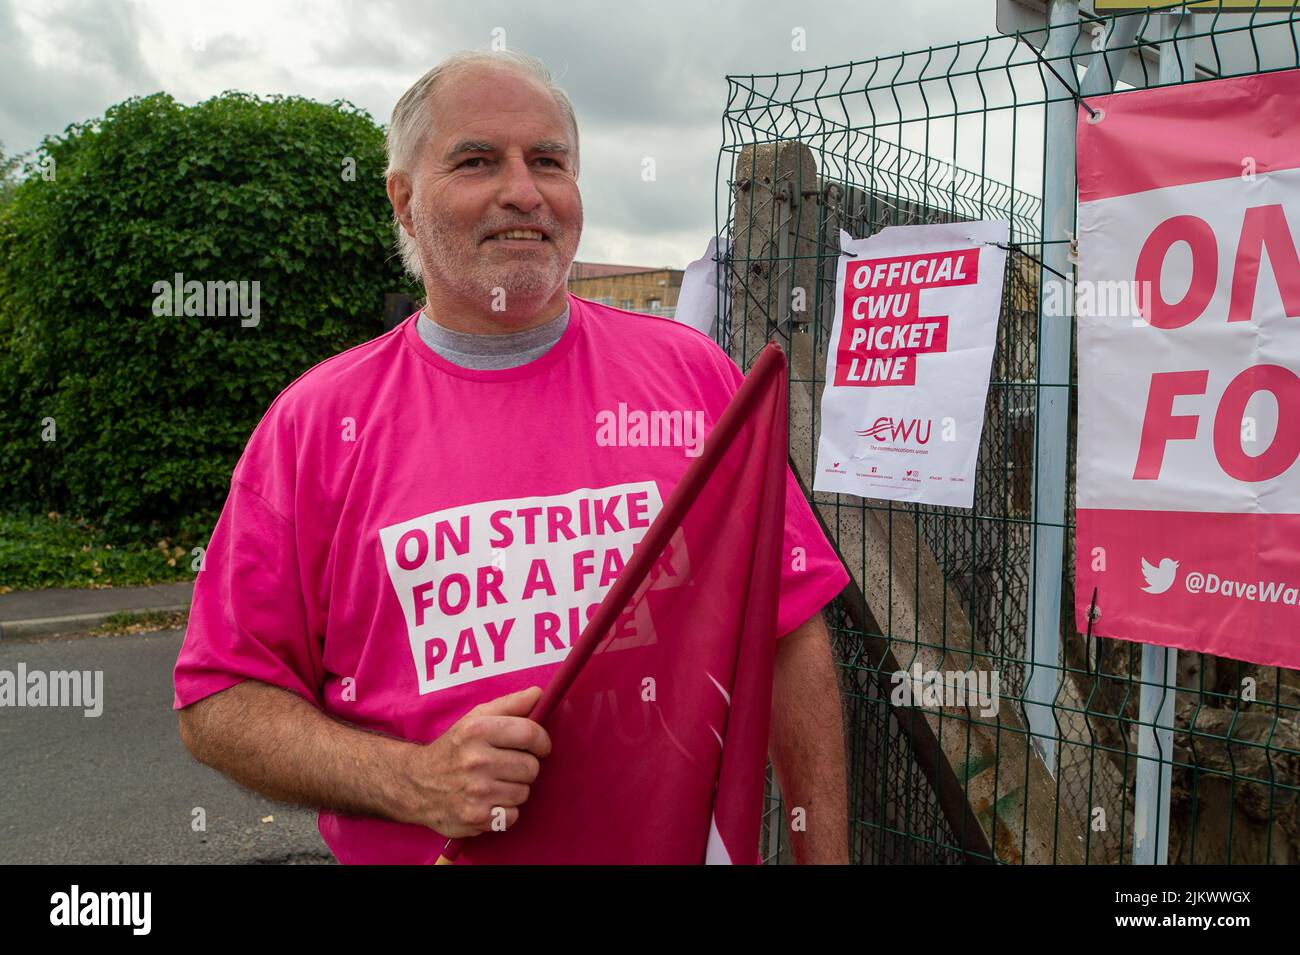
(946, 134)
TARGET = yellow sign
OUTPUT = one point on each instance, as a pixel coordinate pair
(1227, 6)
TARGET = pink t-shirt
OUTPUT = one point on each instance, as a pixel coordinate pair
(392, 511)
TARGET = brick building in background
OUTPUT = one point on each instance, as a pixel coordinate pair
(631, 287)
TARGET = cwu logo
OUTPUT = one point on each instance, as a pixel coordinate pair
(899, 430)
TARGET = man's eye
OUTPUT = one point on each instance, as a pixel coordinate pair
(553, 162)
(473, 159)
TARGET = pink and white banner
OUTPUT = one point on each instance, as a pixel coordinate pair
(1189, 354)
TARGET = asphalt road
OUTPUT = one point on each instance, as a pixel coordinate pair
(120, 787)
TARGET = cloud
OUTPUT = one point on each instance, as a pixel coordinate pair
(68, 62)
(646, 81)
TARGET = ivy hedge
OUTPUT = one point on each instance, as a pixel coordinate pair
(115, 407)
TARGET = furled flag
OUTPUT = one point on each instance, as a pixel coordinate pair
(659, 715)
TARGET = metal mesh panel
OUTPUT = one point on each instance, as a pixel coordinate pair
(948, 134)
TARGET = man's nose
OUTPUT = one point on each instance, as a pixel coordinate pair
(517, 186)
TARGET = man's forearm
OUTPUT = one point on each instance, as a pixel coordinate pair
(277, 744)
(807, 745)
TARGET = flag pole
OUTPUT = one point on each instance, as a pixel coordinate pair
(771, 361)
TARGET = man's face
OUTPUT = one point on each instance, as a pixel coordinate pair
(501, 158)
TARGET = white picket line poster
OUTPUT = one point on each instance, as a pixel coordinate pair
(907, 367)
(697, 300)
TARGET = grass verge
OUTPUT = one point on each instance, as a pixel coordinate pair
(127, 621)
(55, 551)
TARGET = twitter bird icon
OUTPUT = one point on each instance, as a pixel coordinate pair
(1159, 577)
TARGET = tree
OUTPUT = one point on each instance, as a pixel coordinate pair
(148, 411)
(8, 175)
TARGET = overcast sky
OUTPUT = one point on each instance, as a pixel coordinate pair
(646, 80)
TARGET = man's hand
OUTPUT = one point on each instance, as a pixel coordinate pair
(485, 762)
(280, 745)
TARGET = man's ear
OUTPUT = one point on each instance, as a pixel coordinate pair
(399, 194)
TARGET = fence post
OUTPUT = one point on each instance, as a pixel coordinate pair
(397, 306)
(1159, 664)
(1053, 391)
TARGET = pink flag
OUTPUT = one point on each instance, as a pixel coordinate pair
(659, 715)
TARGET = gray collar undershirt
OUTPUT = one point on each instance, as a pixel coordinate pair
(491, 352)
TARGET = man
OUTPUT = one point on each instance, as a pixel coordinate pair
(299, 676)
